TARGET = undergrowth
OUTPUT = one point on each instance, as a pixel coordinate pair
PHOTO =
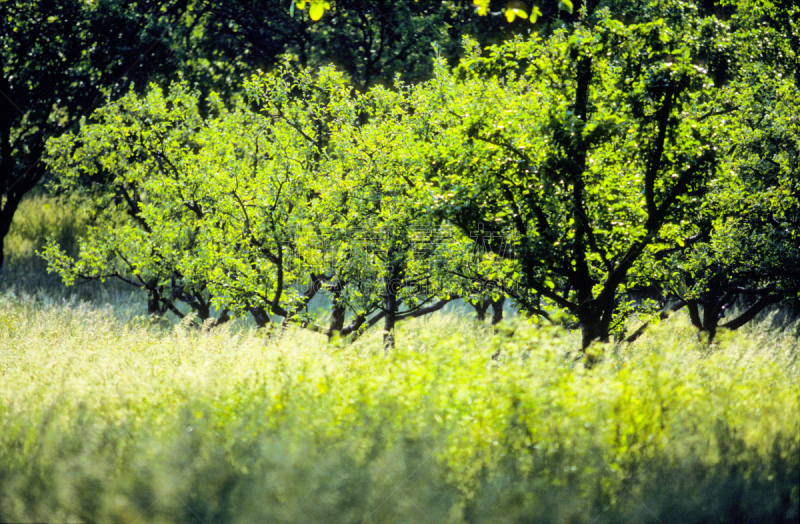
(107, 417)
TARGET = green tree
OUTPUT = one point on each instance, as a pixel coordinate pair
(212, 207)
(369, 41)
(258, 208)
(60, 60)
(512, 9)
(618, 156)
(123, 166)
(745, 243)
(569, 170)
(584, 150)
(392, 250)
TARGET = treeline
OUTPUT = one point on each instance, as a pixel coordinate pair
(62, 59)
(622, 158)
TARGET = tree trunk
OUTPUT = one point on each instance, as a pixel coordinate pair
(753, 310)
(480, 309)
(595, 322)
(710, 320)
(594, 318)
(223, 317)
(260, 316)
(591, 332)
(388, 331)
(338, 313)
(153, 302)
(392, 285)
(3, 232)
(497, 310)
(7, 210)
(694, 313)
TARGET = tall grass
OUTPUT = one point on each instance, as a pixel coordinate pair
(41, 217)
(108, 417)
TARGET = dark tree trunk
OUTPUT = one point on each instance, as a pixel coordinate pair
(5, 225)
(480, 309)
(338, 313)
(497, 310)
(710, 320)
(15, 181)
(154, 303)
(752, 311)
(483, 306)
(388, 330)
(7, 206)
(592, 332)
(223, 317)
(594, 318)
(391, 304)
(694, 314)
(260, 316)
(203, 310)
(714, 305)
(7, 210)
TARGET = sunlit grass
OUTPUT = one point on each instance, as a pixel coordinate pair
(105, 416)
(41, 217)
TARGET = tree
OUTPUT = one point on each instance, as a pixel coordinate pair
(510, 9)
(568, 170)
(211, 207)
(602, 149)
(392, 250)
(584, 150)
(132, 159)
(254, 209)
(745, 244)
(60, 60)
(369, 41)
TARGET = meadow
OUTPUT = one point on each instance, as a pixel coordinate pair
(107, 416)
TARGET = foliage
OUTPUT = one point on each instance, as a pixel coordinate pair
(206, 213)
(744, 237)
(394, 253)
(63, 59)
(371, 42)
(110, 420)
(60, 60)
(590, 159)
(633, 175)
(612, 160)
(511, 10)
(255, 210)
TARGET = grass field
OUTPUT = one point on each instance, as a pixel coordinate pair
(106, 416)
